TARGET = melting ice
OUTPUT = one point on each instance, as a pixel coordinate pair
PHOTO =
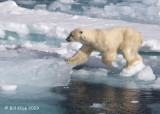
(33, 45)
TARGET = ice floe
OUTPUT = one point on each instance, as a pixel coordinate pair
(146, 74)
(33, 47)
(132, 70)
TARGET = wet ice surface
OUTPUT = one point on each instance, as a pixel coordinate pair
(147, 78)
(29, 67)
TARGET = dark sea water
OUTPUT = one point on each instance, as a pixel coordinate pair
(81, 95)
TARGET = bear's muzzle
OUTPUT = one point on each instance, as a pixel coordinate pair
(68, 39)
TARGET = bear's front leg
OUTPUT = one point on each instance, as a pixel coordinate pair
(108, 57)
(71, 60)
(81, 55)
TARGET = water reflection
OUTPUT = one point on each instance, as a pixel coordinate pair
(80, 95)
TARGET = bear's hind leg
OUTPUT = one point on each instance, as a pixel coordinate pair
(108, 57)
(129, 57)
(135, 52)
(138, 57)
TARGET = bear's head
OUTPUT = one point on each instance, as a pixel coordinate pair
(75, 35)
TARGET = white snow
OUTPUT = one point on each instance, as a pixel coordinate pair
(132, 70)
(146, 74)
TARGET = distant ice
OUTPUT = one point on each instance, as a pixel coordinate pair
(40, 6)
(57, 5)
(151, 46)
(129, 10)
(150, 2)
(98, 1)
(67, 1)
(26, 2)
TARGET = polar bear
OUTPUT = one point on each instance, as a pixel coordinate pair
(108, 41)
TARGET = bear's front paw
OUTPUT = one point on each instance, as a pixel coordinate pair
(70, 60)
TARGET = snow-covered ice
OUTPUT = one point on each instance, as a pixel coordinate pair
(146, 74)
(132, 70)
(128, 10)
(33, 46)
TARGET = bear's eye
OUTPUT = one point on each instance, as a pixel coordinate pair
(80, 32)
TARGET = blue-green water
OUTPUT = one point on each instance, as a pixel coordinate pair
(31, 100)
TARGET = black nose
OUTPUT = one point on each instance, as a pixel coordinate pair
(68, 40)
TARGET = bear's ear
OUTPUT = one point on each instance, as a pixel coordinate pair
(80, 32)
